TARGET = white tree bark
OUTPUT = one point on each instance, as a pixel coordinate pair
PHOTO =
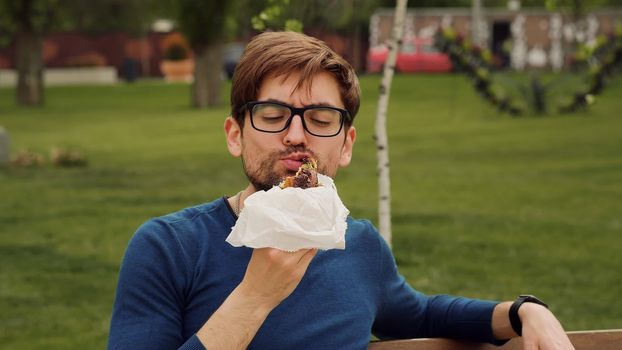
(382, 144)
(556, 55)
(519, 50)
(476, 22)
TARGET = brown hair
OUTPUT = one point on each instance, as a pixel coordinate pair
(284, 53)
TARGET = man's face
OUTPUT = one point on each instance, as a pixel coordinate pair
(269, 157)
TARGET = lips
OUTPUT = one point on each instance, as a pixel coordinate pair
(293, 161)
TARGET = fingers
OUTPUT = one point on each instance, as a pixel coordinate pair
(272, 274)
(297, 257)
(307, 257)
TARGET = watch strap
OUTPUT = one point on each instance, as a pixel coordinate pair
(515, 321)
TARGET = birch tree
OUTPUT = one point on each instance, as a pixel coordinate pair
(382, 144)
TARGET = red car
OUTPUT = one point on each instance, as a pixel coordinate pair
(416, 55)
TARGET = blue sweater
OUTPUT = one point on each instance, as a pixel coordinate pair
(178, 270)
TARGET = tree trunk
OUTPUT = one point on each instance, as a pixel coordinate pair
(29, 69)
(199, 85)
(382, 144)
(145, 55)
(207, 76)
(214, 74)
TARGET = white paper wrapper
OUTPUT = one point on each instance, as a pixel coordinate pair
(292, 218)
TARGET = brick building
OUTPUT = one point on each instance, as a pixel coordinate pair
(530, 37)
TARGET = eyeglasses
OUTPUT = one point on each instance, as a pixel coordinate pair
(273, 117)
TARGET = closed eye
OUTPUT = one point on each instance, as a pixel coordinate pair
(272, 118)
(319, 122)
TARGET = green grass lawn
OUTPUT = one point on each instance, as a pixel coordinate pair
(484, 205)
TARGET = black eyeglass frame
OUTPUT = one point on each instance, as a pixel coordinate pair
(343, 114)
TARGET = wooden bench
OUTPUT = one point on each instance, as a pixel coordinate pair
(585, 340)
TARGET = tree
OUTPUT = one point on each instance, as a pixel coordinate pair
(28, 21)
(350, 18)
(205, 24)
(382, 144)
(271, 17)
(347, 17)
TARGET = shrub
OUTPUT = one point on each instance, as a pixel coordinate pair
(176, 52)
(91, 59)
(175, 47)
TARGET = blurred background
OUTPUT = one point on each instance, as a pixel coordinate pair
(504, 128)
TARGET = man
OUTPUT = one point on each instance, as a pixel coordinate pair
(182, 286)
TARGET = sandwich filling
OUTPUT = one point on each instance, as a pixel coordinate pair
(305, 177)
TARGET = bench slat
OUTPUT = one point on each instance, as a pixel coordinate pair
(584, 340)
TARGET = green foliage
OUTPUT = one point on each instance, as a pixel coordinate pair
(430, 3)
(483, 206)
(204, 23)
(566, 92)
(239, 24)
(340, 16)
(293, 25)
(131, 16)
(33, 16)
(549, 4)
(576, 7)
(176, 52)
(94, 16)
(272, 17)
(602, 61)
(476, 63)
(344, 16)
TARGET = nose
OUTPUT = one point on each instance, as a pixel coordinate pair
(295, 134)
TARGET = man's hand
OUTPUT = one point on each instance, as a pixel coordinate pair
(271, 276)
(541, 330)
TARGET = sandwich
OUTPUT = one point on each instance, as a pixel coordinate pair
(305, 177)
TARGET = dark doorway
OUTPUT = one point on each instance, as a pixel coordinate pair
(501, 47)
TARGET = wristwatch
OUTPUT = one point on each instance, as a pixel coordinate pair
(515, 321)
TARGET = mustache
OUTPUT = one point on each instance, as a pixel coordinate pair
(263, 175)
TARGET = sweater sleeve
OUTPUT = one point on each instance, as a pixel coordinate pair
(148, 307)
(406, 313)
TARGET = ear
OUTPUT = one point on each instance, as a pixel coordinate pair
(348, 144)
(233, 134)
